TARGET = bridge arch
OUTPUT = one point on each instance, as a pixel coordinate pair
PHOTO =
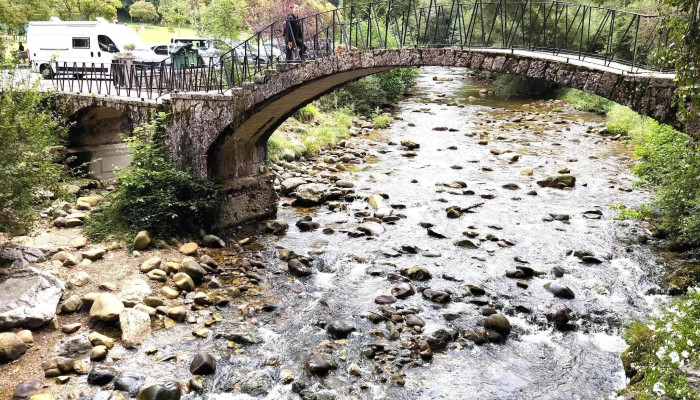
(234, 145)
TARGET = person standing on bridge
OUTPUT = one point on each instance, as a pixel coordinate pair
(293, 34)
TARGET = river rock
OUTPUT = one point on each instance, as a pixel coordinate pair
(290, 184)
(558, 181)
(559, 290)
(71, 304)
(439, 339)
(385, 299)
(203, 364)
(129, 383)
(277, 226)
(213, 242)
(189, 249)
(309, 195)
(134, 291)
(27, 389)
(178, 314)
(376, 201)
(73, 346)
(142, 240)
(100, 375)
(409, 144)
(436, 233)
(94, 254)
(135, 326)
(151, 264)
(371, 228)
(467, 244)
(99, 353)
(298, 268)
(184, 281)
(164, 391)
(29, 299)
(11, 347)
(402, 290)
(193, 269)
(339, 329)
(257, 383)
(498, 323)
(106, 307)
(319, 364)
(416, 273)
(438, 296)
(306, 224)
(414, 320)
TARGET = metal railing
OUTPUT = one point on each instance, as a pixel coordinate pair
(613, 38)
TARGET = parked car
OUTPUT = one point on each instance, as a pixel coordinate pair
(89, 45)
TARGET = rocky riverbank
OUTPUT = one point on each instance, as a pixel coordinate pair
(465, 251)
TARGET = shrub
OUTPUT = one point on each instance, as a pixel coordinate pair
(307, 113)
(152, 194)
(29, 130)
(516, 86)
(584, 101)
(660, 347)
(381, 121)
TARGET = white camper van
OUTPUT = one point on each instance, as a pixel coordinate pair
(89, 44)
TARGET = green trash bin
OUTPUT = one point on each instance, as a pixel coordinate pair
(187, 58)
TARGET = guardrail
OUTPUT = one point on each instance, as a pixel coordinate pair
(584, 32)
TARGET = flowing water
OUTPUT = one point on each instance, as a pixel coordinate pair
(286, 314)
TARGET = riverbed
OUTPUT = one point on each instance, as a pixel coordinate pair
(465, 206)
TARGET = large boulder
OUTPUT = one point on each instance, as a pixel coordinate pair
(193, 269)
(142, 240)
(106, 307)
(290, 184)
(310, 194)
(28, 298)
(134, 291)
(135, 326)
(22, 256)
(11, 347)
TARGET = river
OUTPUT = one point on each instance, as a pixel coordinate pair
(476, 161)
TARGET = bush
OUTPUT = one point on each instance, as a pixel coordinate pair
(381, 121)
(584, 101)
(660, 347)
(153, 195)
(307, 113)
(29, 130)
(516, 86)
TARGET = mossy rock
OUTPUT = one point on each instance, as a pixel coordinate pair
(683, 277)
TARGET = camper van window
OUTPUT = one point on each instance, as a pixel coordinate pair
(81, 43)
(104, 42)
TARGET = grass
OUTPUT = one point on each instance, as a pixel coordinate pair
(381, 121)
(308, 140)
(156, 34)
(585, 101)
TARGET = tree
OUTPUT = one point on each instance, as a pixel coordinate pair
(178, 13)
(143, 10)
(261, 13)
(87, 10)
(222, 19)
(15, 14)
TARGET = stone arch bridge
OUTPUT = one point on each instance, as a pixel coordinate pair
(221, 133)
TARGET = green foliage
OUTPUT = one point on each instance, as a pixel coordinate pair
(309, 140)
(174, 13)
(584, 101)
(372, 92)
(622, 120)
(15, 14)
(224, 18)
(29, 132)
(143, 11)
(152, 194)
(307, 113)
(669, 163)
(381, 121)
(660, 348)
(87, 10)
(516, 86)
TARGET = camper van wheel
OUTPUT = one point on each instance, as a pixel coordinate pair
(45, 71)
